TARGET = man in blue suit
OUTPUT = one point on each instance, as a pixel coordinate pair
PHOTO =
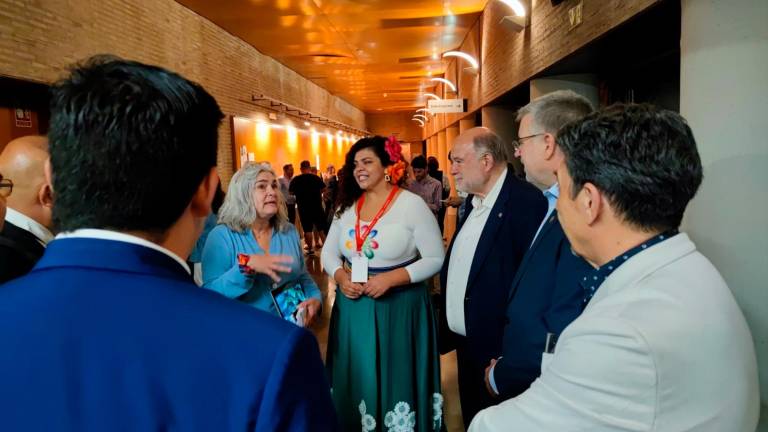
(501, 218)
(108, 331)
(546, 294)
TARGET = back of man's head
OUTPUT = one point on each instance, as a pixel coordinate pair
(419, 162)
(23, 161)
(433, 164)
(304, 166)
(554, 110)
(644, 159)
(130, 144)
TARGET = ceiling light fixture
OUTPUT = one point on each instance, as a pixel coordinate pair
(436, 97)
(422, 110)
(446, 82)
(472, 61)
(421, 122)
(421, 116)
(516, 6)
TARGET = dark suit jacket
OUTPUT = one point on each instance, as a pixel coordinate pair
(508, 232)
(19, 251)
(104, 335)
(546, 295)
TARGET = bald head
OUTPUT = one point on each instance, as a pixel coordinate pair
(23, 161)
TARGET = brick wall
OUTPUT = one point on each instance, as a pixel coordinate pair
(39, 39)
(509, 59)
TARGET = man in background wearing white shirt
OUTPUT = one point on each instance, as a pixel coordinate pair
(502, 216)
(662, 345)
(27, 228)
(290, 199)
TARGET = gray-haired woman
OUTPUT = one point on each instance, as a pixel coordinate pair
(254, 254)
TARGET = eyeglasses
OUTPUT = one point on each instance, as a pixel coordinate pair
(518, 142)
(6, 187)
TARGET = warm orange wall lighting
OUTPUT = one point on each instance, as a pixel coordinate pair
(262, 136)
(281, 144)
(293, 139)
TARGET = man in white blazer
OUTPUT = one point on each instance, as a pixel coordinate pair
(661, 345)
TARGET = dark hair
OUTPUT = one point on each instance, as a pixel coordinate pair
(419, 162)
(644, 159)
(349, 190)
(286, 166)
(433, 164)
(130, 144)
(304, 164)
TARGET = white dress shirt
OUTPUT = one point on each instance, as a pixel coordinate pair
(121, 237)
(462, 254)
(661, 347)
(30, 225)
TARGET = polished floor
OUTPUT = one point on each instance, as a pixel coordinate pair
(452, 409)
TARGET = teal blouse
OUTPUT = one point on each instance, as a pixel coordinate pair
(221, 272)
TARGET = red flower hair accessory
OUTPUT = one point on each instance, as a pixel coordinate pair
(396, 171)
(394, 150)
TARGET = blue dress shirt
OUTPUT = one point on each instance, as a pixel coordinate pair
(221, 272)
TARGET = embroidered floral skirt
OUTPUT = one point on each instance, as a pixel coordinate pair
(383, 362)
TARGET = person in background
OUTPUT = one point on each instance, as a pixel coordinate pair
(6, 188)
(308, 190)
(435, 173)
(108, 330)
(330, 194)
(329, 174)
(501, 219)
(457, 201)
(253, 222)
(382, 346)
(425, 186)
(28, 220)
(290, 199)
(546, 294)
(661, 345)
(196, 256)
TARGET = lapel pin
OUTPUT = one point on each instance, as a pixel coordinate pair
(500, 214)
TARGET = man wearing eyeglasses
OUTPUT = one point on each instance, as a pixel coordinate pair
(28, 221)
(502, 214)
(545, 295)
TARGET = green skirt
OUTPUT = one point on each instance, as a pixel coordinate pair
(383, 362)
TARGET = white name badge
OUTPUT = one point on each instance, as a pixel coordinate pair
(359, 269)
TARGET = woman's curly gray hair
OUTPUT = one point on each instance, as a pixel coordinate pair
(239, 209)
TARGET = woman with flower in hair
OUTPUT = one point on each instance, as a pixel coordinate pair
(383, 244)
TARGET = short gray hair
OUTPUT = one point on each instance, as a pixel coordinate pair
(488, 142)
(239, 210)
(554, 110)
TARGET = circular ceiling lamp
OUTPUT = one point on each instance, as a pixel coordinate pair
(471, 60)
(446, 82)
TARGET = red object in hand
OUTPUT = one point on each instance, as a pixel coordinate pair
(242, 261)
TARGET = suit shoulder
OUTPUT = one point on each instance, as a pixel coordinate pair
(524, 188)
